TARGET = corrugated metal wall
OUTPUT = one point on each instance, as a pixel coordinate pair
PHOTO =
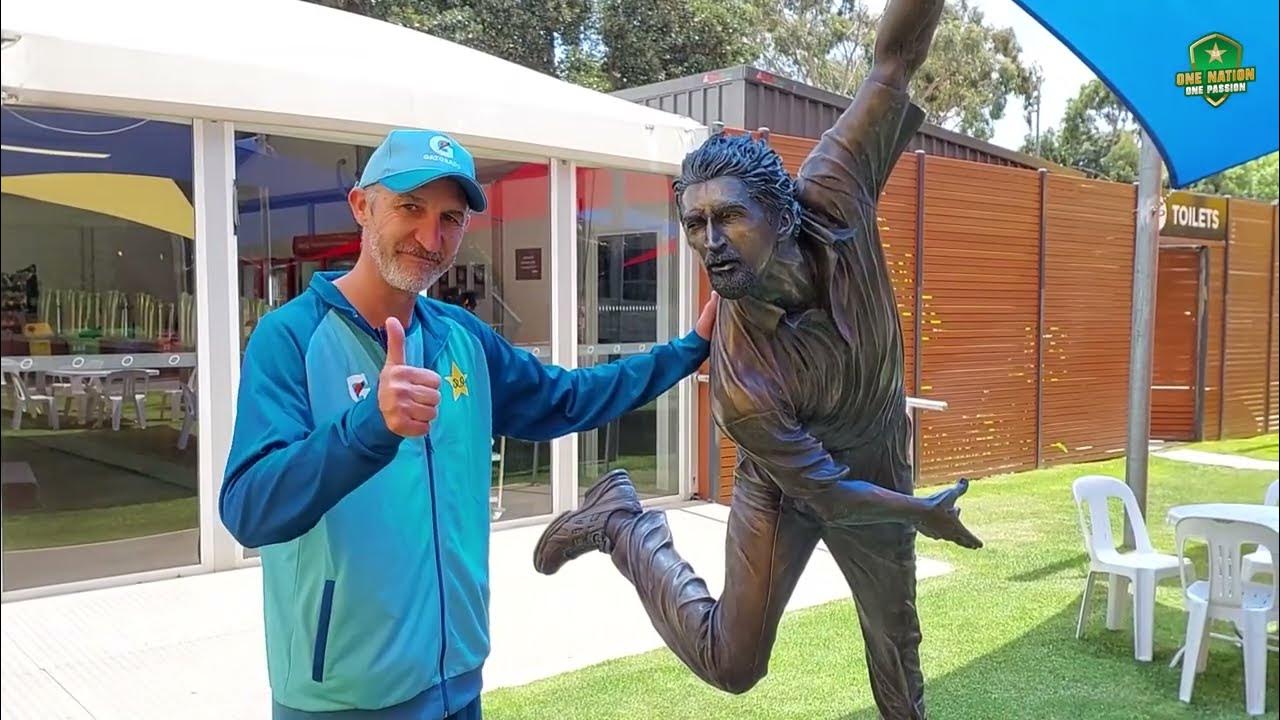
(1026, 291)
(739, 98)
(1088, 291)
(943, 147)
(786, 113)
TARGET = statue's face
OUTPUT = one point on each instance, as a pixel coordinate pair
(732, 232)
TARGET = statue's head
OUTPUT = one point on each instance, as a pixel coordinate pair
(737, 202)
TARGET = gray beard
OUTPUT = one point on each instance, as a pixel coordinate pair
(396, 274)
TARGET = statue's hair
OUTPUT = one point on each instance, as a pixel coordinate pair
(755, 164)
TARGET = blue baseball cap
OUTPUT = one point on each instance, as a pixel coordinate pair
(408, 159)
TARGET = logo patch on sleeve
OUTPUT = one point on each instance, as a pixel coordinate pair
(357, 386)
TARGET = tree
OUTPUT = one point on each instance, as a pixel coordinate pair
(972, 70)
(602, 44)
(648, 41)
(1258, 179)
(1099, 136)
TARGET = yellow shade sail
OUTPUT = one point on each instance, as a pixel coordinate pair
(152, 201)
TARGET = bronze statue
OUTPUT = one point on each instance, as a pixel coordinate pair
(807, 380)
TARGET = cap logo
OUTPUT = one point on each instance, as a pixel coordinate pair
(440, 145)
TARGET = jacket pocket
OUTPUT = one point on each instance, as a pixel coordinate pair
(322, 632)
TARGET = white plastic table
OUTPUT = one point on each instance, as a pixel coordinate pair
(1268, 515)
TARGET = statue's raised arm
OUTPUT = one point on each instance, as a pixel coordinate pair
(847, 170)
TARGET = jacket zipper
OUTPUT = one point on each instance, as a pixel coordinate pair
(435, 531)
(380, 335)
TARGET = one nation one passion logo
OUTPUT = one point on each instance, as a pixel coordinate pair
(1217, 70)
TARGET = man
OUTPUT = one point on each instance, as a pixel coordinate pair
(807, 380)
(360, 463)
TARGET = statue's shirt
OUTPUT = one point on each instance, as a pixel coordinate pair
(817, 397)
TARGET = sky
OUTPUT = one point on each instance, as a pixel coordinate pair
(1063, 72)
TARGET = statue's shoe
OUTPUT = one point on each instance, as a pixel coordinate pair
(580, 531)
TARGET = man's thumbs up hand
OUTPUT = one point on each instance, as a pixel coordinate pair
(407, 396)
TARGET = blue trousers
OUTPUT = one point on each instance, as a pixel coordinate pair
(470, 712)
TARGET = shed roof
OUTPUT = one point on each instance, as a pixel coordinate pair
(790, 107)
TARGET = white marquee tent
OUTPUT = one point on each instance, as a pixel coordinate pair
(293, 64)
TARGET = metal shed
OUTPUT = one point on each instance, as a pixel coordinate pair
(749, 98)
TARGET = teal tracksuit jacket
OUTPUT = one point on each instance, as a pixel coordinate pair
(375, 548)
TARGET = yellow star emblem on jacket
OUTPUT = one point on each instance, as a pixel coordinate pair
(458, 381)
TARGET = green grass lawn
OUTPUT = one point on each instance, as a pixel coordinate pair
(998, 631)
(1263, 447)
(75, 527)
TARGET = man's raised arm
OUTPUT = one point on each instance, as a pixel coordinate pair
(846, 172)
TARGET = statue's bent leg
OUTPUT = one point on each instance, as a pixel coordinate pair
(879, 563)
(727, 642)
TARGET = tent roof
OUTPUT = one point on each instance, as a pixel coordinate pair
(291, 64)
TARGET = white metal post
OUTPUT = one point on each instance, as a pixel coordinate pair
(668, 405)
(1145, 262)
(687, 264)
(564, 321)
(217, 328)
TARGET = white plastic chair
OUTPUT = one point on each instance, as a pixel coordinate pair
(190, 412)
(130, 385)
(1227, 595)
(1259, 561)
(175, 391)
(26, 401)
(1142, 567)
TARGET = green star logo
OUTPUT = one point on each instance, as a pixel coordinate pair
(1217, 70)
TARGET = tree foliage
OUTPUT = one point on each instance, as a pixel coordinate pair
(646, 41)
(1098, 135)
(972, 70)
(602, 44)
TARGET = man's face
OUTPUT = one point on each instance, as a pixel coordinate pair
(733, 234)
(412, 237)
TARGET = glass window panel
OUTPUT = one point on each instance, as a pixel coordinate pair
(503, 275)
(98, 327)
(628, 237)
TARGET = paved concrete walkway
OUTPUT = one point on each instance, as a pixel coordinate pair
(192, 647)
(1238, 462)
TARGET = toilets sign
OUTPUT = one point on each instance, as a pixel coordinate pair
(1195, 216)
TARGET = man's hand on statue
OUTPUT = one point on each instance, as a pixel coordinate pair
(941, 519)
(707, 320)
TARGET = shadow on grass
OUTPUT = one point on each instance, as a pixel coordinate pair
(1072, 563)
(1047, 673)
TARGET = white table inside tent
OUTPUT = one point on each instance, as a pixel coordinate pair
(1267, 515)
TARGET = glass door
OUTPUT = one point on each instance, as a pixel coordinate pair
(628, 282)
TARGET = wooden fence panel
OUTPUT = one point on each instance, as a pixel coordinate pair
(981, 306)
(897, 221)
(1248, 319)
(1213, 355)
(1089, 228)
(1273, 334)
